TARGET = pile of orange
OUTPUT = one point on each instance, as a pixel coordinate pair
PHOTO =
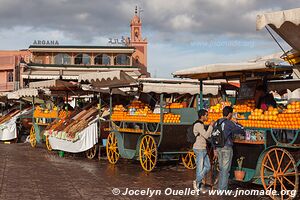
(288, 121)
(63, 114)
(293, 107)
(175, 105)
(213, 117)
(119, 108)
(171, 118)
(118, 116)
(246, 106)
(218, 107)
(273, 118)
(259, 114)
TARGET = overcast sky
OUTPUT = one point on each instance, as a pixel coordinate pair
(180, 33)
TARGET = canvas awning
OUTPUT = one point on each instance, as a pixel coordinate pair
(27, 92)
(183, 88)
(285, 23)
(108, 79)
(53, 85)
(265, 65)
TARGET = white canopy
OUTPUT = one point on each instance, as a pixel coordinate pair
(228, 70)
(27, 92)
(284, 23)
(108, 79)
(183, 88)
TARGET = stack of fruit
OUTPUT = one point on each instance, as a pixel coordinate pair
(138, 112)
(215, 112)
(274, 118)
(289, 118)
(44, 113)
(246, 106)
(175, 105)
(171, 118)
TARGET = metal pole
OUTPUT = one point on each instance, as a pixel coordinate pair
(161, 107)
(201, 104)
(110, 103)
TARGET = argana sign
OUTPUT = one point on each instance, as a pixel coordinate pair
(45, 42)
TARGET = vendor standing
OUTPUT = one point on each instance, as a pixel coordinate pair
(263, 99)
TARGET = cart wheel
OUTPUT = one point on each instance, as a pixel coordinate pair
(112, 149)
(91, 153)
(32, 138)
(189, 160)
(48, 145)
(148, 153)
(279, 172)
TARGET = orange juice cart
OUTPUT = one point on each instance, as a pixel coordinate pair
(60, 126)
(145, 129)
(270, 150)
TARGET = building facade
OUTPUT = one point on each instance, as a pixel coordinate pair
(44, 61)
(10, 64)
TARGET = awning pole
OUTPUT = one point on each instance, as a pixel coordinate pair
(110, 103)
(201, 104)
(161, 107)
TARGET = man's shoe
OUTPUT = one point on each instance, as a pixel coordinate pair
(195, 185)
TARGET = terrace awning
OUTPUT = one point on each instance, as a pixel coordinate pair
(179, 88)
(27, 92)
(108, 79)
(53, 85)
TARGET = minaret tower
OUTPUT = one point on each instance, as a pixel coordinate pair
(140, 44)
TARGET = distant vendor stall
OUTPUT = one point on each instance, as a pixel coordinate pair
(73, 130)
(9, 125)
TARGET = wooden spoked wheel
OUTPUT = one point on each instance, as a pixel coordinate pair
(112, 149)
(148, 153)
(91, 153)
(32, 137)
(48, 145)
(189, 160)
(279, 172)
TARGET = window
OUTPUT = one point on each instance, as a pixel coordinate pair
(10, 77)
(102, 59)
(122, 59)
(82, 59)
(62, 59)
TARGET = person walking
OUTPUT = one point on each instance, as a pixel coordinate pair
(225, 153)
(199, 148)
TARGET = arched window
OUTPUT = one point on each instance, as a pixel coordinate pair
(82, 59)
(122, 59)
(62, 59)
(102, 59)
(137, 60)
(10, 77)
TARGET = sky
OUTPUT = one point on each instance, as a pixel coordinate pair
(180, 33)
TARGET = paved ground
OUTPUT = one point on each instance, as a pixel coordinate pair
(27, 173)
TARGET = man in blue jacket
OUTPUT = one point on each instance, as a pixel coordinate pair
(225, 153)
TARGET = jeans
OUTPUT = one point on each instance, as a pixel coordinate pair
(202, 164)
(225, 158)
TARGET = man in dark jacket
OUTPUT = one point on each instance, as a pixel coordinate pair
(225, 153)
